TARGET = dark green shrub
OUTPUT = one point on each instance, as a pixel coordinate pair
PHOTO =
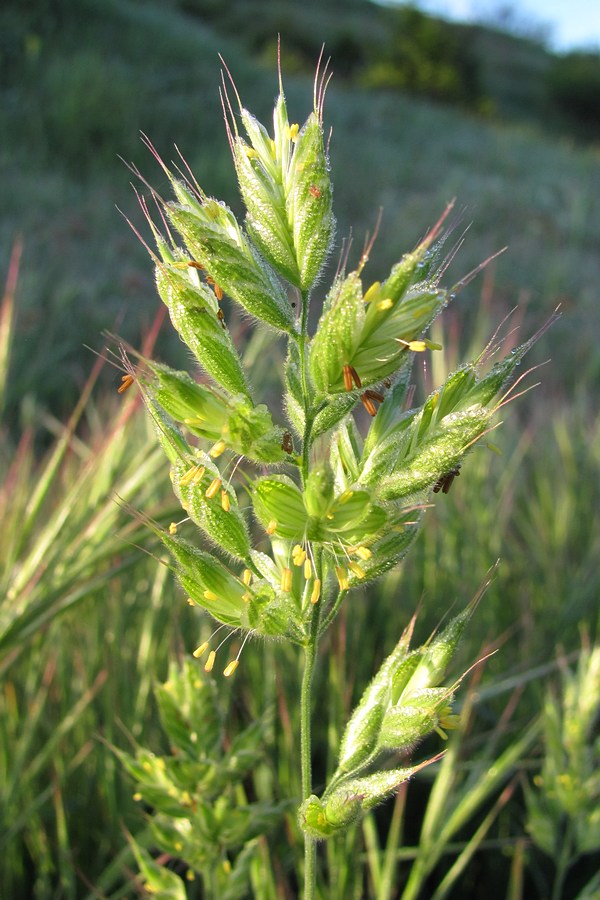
(424, 55)
(573, 84)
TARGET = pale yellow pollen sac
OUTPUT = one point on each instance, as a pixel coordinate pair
(307, 568)
(210, 595)
(195, 420)
(316, 591)
(191, 602)
(273, 148)
(357, 570)
(343, 498)
(298, 555)
(137, 796)
(247, 597)
(373, 292)
(173, 528)
(286, 580)
(250, 152)
(363, 553)
(190, 475)
(415, 346)
(190, 875)
(231, 667)
(217, 449)
(292, 132)
(199, 475)
(225, 500)
(226, 866)
(213, 489)
(247, 577)
(208, 667)
(387, 303)
(342, 577)
(271, 527)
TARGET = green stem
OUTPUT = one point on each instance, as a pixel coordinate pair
(308, 414)
(310, 845)
(310, 650)
(563, 863)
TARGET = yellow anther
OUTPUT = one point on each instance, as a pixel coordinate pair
(342, 577)
(196, 420)
(363, 553)
(191, 602)
(247, 597)
(307, 568)
(356, 569)
(286, 580)
(273, 148)
(292, 132)
(230, 668)
(189, 476)
(210, 661)
(385, 304)
(372, 292)
(250, 152)
(271, 527)
(213, 489)
(190, 875)
(210, 595)
(247, 577)
(226, 866)
(415, 346)
(217, 449)
(316, 591)
(225, 500)
(298, 555)
(343, 498)
(137, 796)
(173, 528)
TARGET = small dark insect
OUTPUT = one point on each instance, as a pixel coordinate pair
(286, 442)
(444, 483)
(221, 318)
(126, 382)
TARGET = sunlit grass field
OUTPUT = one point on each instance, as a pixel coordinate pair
(89, 618)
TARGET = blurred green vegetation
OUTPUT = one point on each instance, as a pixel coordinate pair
(93, 630)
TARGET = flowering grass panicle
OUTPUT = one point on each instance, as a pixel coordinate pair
(288, 540)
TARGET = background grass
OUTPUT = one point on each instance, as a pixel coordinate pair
(95, 620)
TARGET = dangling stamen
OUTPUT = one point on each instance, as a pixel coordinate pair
(217, 449)
(368, 404)
(232, 666)
(213, 489)
(342, 577)
(351, 377)
(316, 591)
(298, 555)
(286, 580)
(126, 382)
